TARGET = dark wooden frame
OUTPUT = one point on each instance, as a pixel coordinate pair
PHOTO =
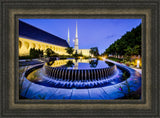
(11, 10)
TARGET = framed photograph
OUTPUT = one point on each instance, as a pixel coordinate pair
(88, 71)
(79, 58)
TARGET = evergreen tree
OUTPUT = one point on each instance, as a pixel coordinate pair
(94, 51)
(69, 50)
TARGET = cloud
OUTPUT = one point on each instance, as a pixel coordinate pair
(112, 36)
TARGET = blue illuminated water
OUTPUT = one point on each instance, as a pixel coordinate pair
(88, 64)
(100, 64)
(107, 88)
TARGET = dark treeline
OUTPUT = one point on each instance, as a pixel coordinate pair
(129, 44)
(35, 53)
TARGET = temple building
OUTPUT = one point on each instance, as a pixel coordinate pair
(32, 37)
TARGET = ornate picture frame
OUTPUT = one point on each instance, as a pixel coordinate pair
(12, 10)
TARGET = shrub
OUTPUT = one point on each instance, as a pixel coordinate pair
(35, 53)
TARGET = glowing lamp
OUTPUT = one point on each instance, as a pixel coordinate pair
(138, 62)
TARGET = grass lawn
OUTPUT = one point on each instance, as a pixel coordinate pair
(115, 59)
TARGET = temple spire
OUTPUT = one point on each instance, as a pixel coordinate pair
(76, 40)
(68, 37)
(76, 31)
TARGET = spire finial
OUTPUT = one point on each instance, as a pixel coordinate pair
(76, 30)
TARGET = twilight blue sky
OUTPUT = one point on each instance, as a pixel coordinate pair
(91, 32)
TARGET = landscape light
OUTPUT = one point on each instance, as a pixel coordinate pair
(103, 58)
(138, 62)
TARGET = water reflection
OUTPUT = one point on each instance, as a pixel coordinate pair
(75, 64)
(78, 64)
(50, 63)
(93, 63)
(69, 63)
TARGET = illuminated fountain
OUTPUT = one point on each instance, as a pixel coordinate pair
(79, 79)
(79, 73)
